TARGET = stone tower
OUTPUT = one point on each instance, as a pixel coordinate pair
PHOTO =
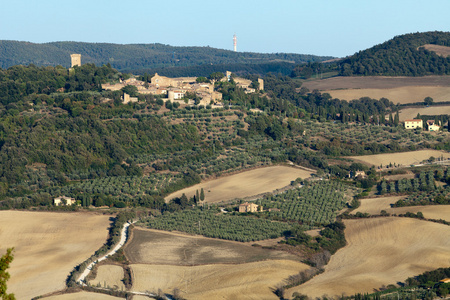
(261, 84)
(76, 60)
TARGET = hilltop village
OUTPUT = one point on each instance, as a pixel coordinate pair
(177, 89)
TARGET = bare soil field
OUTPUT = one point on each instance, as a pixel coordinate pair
(439, 50)
(381, 251)
(245, 184)
(408, 175)
(373, 206)
(83, 296)
(166, 248)
(402, 95)
(411, 113)
(376, 82)
(403, 158)
(112, 275)
(47, 247)
(255, 280)
(430, 211)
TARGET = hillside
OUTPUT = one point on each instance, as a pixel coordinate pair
(137, 56)
(403, 55)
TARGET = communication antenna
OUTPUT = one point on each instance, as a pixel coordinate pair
(234, 43)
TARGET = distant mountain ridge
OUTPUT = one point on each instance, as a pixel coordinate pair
(136, 56)
(404, 55)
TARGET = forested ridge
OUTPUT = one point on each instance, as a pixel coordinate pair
(400, 56)
(142, 56)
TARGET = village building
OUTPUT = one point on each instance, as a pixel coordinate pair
(249, 207)
(432, 126)
(63, 200)
(413, 124)
(127, 99)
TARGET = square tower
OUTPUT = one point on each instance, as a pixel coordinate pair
(76, 60)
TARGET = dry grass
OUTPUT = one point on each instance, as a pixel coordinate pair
(373, 206)
(47, 247)
(159, 247)
(402, 95)
(439, 50)
(112, 275)
(83, 296)
(403, 158)
(376, 82)
(245, 184)
(244, 281)
(411, 113)
(381, 251)
(397, 89)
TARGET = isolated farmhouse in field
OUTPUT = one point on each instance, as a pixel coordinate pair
(249, 207)
(63, 200)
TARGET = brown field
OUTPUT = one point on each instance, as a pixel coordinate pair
(83, 296)
(47, 247)
(376, 82)
(411, 113)
(397, 89)
(381, 251)
(373, 206)
(403, 158)
(245, 184)
(167, 248)
(402, 95)
(408, 175)
(439, 50)
(243, 281)
(112, 275)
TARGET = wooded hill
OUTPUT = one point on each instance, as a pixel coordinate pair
(403, 55)
(143, 56)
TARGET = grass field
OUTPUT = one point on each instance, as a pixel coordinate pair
(376, 82)
(440, 50)
(168, 248)
(83, 296)
(403, 158)
(244, 184)
(243, 281)
(381, 251)
(111, 275)
(373, 206)
(397, 89)
(47, 247)
(411, 113)
(402, 95)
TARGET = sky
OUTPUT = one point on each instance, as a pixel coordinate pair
(321, 27)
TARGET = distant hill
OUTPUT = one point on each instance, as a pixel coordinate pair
(405, 55)
(141, 56)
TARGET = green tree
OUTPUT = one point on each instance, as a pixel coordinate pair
(5, 261)
(428, 101)
(130, 90)
(202, 195)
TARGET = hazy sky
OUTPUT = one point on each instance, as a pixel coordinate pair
(320, 27)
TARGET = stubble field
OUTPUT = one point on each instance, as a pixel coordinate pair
(245, 184)
(397, 89)
(403, 158)
(111, 275)
(373, 206)
(411, 113)
(205, 268)
(47, 247)
(379, 252)
(255, 280)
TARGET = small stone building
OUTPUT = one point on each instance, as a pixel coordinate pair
(63, 200)
(248, 207)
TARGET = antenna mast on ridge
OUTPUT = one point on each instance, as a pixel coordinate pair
(234, 43)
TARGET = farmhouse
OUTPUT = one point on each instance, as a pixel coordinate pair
(413, 124)
(128, 99)
(63, 200)
(432, 126)
(248, 207)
